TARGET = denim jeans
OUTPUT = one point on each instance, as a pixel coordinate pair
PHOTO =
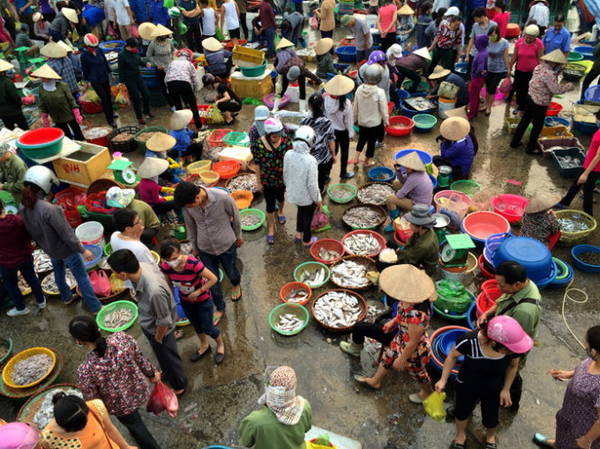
(75, 263)
(11, 282)
(269, 36)
(227, 261)
(200, 315)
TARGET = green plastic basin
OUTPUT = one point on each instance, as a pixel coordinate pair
(115, 306)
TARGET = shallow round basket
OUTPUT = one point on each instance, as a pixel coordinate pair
(380, 211)
(30, 408)
(362, 260)
(399, 125)
(115, 306)
(577, 250)
(288, 308)
(376, 235)
(49, 293)
(571, 237)
(361, 302)
(286, 289)
(98, 252)
(344, 186)
(364, 186)
(198, 166)
(259, 213)
(312, 266)
(329, 245)
(466, 186)
(8, 344)
(7, 372)
(242, 173)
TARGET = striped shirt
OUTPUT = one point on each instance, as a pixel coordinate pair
(187, 280)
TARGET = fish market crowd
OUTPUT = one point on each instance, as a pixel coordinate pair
(142, 222)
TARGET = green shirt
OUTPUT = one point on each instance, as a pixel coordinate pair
(528, 315)
(12, 172)
(325, 65)
(59, 104)
(146, 214)
(421, 251)
(10, 101)
(261, 430)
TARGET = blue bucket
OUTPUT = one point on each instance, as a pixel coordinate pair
(531, 253)
(108, 46)
(376, 174)
(587, 52)
(346, 53)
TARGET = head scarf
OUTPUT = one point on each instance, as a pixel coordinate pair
(280, 396)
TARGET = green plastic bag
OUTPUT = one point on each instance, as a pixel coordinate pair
(434, 406)
(219, 34)
(168, 3)
(453, 297)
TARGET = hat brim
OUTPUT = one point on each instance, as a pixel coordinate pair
(440, 74)
(71, 15)
(284, 43)
(339, 85)
(522, 346)
(146, 30)
(419, 221)
(182, 120)
(150, 171)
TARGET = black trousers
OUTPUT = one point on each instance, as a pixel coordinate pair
(594, 73)
(160, 74)
(103, 91)
(535, 114)
(304, 218)
(138, 430)
(410, 74)
(71, 129)
(244, 25)
(139, 97)
(588, 192)
(324, 170)
(148, 235)
(181, 92)
(369, 136)
(11, 121)
(342, 143)
(193, 37)
(521, 86)
(164, 207)
(467, 397)
(516, 391)
(388, 41)
(301, 85)
(364, 329)
(169, 360)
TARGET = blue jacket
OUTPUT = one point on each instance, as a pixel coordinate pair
(183, 137)
(95, 67)
(459, 154)
(149, 11)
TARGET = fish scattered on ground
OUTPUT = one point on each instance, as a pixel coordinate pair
(49, 284)
(375, 194)
(328, 254)
(46, 411)
(297, 295)
(31, 369)
(350, 274)
(313, 278)
(289, 322)
(41, 261)
(590, 257)
(361, 244)
(575, 223)
(246, 181)
(341, 193)
(363, 217)
(117, 318)
(337, 309)
(248, 220)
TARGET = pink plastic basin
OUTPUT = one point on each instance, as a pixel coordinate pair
(512, 207)
(480, 225)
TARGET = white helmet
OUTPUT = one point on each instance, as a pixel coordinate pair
(41, 176)
(261, 112)
(306, 134)
(273, 125)
(452, 11)
(373, 74)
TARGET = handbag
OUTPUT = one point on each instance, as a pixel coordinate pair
(448, 90)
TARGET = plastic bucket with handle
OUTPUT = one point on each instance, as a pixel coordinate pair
(90, 233)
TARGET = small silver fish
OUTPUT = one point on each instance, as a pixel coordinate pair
(363, 217)
(117, 318)
(375, 194)
(289, 322)
(361, 244)
(313, 278)
(337, 309)
(328, 255)
(298, 295)
(350, 274)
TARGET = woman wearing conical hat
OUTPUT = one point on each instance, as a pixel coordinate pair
(10, 101)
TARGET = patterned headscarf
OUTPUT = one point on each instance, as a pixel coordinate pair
(280, 396)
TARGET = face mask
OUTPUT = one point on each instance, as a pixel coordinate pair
(50, 85)
(173, 263)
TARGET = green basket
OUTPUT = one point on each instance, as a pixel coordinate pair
(292, 309)
(575, 56)
(148, 129)
(351, 187)
(113, 306)
(466, 186)
(107, 249)
(450, 316)
(252, 211)
(236, 138)
(8, 344)
(315, 266)
(252, 72)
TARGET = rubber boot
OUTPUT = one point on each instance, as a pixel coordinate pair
(349, 347)
(276, 105)
(302, 106)
(393, 215)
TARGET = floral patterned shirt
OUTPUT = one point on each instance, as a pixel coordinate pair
(544, 85)
(270, 162)
(120, 378)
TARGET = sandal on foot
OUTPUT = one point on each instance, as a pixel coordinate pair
(217, 318)
(363, 381)
(198, 355)
(282, 220)
(455, 445)
(541, 440)
(312, 241)
(237, 297)
(270, 239)
(219, 357)
(489, 445)
(297, 240)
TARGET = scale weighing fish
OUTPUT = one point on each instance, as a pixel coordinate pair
(328, 254)
(362, 244)
(363, 217)
(243, 182)
(298, 295)
(289, 322)
(375, 194)
(337, 309)
(117, 318)
(350, 274)
(313, 278)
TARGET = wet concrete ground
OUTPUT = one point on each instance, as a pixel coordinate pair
(219, 397)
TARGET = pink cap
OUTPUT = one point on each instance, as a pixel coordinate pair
(508, 332)
(18, 435)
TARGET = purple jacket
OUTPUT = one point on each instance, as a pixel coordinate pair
(479, 66)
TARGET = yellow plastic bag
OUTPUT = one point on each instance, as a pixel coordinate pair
(434, 406)
(311, 445)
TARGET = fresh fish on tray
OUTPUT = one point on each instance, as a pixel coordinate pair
(569, 161)
(375, 194)
(350, 274)
(363, 217)
(46, 411)
(575, 223)
(245, 181)
(361, 244)
(117, 318)
(313, 278)
(41, 261)
(49, 284)
(31, 369)
(298, 295)
(248, 220)
(337, 309)
(328, 254)
(289, 322)
(340, 193)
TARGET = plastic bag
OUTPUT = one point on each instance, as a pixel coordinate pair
(321, 442)
(100, 283)
(121, 95)
(505, 86)
(314, 22)
(90, 96)
(219, 35)
(163, 398)
(320, 221)
(434, 406)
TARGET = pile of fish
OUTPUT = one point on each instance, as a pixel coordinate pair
(31, 369)
(96, 132)
(362, 244)
(375, 194)
(122, 137)
(313, 278)
(568, 161)
(289, 322)
(340, 193)
(590, 257)
(350, 274)
(337, 309)
(297, 295)
(117, 318)
(246, 181)
(328, 255)
(248, 220)
(49, 284)
(363, 217)
(575, 223)
(41, 261)
(46, 411)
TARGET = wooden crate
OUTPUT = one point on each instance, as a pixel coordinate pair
(84, 166)
(252, 87)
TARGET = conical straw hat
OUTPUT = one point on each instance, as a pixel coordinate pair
(412, 161)
(555, 56)
(211, 44)
(541, 202)
(439, 72)
(66, 46)
(46, 72)
(407, 283)
(406, 11)
(53, 50)
(180, 119)
(323, 46)
(161, 30)
(455, 128)
(457, 112)
(152, 166)
(146, 30)
(284, 43)
(339, 85)
(160, 142)
(4, 65)
(423, 53)
(70, 14)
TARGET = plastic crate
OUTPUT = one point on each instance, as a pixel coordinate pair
(576, 153)
(545, 143)
(246, 54)
(215, 139)
(236, 138)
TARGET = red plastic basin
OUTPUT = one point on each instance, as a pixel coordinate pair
(480, 225)
(40, 136)
(512, 207)
(553, 109)
(400, 126)
(226, 169)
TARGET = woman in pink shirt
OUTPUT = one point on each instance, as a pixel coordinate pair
(501, 16)
(149, 189)
(528, 51)
(387, 23)
(589, 177)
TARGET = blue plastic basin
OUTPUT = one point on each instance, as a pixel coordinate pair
(531, 253)
(375, 174)
(580, 264)
(346, 53)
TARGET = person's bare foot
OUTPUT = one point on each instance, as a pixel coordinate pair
(367, 382)
(236, 294)
(217, 316)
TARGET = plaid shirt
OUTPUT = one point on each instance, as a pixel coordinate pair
(447, 38)
(64, 67)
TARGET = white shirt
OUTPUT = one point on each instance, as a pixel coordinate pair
(141, 251)
(208, 22)
(437, 4)
(232, 21)
(540, 13)
(117, 11)
(341, 120)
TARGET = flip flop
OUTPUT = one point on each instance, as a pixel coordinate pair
(311, 243)
(282, 220)
(270, 239)
(237, 298)
(217, 318)
(219, 357)
(363, 381)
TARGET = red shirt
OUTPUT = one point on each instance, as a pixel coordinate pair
(188, 280)
(593, 150)
(527, 54)
(15, 242)
(266, 15)
(149, 192)
(502, 19)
